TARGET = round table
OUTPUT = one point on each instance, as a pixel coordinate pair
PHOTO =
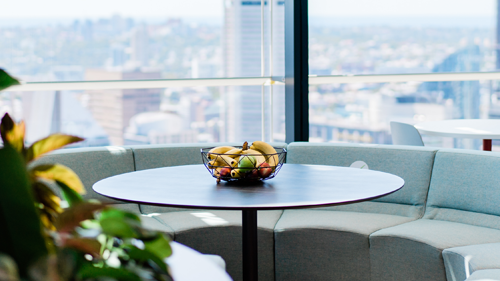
(296, 186)
(486, 129)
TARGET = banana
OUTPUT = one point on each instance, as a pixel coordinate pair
(235, 173)
(233, 153)
(222, 161)
(218, 150)
(266, 148)
(258, 156)
(217, 172)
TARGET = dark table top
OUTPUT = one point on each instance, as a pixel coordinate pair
(295, 186)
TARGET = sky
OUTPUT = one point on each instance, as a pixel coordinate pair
(454, 13)
(214, 8)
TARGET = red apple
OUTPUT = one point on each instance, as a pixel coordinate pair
(225, 172)
(265, 170)
(254, 174)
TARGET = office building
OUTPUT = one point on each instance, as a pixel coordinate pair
(242, 58)
(113, 109)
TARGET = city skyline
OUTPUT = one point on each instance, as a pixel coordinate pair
(175, 48)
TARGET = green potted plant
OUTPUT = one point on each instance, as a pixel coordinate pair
(87, 241)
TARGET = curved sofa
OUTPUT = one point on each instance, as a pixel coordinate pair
(444, 224)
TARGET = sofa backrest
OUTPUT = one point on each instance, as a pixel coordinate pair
(93, 164)
(465, 187)
(413, 164)
(166, 155)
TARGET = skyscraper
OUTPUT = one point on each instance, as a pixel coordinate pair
(465, 94)
(242, 58)
(112, 109)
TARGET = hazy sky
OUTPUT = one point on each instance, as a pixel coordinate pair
(214, 8)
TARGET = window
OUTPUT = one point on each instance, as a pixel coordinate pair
(120, 72)
(381, 43)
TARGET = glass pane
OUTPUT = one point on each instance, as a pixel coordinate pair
(166, 39)
(150, 116)
(361, 113)
(115, 40)
(394, 36)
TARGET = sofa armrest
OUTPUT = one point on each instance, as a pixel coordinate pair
(462, 262)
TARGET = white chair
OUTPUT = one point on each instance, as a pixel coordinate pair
(405, 134)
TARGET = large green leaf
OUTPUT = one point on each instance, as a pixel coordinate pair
(20, 236)
(49, 204)
(88, 271)
(86, 245)
(118, 223)
(48, 144)
(144, 256)
(6, 80)
(160, 246)
(73, 216)
(119, 214)
(120, 227)
(12, 134)
(70, 195)
(59, 173)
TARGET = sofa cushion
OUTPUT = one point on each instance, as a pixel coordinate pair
(325, 245)
(465, 188)
(93, 164)
(219, 233)
(485, 275)
(460, 262)
(413, 164)
(166, 155)
(412, 251)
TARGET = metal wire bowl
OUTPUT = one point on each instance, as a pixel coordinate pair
(220, 169)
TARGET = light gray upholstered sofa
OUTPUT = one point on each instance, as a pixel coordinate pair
(444, 224)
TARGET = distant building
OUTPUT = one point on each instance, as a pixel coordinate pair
(113, 109)
(140, 46)
(157, 128)
(242, 58)
(465, 94)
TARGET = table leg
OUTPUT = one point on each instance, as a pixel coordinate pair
(249, 245)
(487, 145)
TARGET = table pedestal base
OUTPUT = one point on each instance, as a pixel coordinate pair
(250, 259)
(487, 145)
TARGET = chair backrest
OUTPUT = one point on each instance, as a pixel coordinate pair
(405, 134)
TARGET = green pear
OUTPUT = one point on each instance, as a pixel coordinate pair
(247, 163)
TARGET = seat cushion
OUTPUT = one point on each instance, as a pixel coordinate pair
(93, 164)
(220, 233)
(412, 251)
(485, 275)
(460, 262)
(413, 164)
(326, 245)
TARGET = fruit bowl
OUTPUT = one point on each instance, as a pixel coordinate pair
(242, 163)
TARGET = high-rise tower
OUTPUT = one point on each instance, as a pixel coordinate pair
(242, 58)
